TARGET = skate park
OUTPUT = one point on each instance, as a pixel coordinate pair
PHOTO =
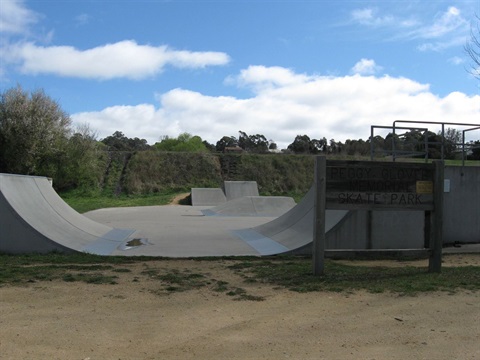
(233, 221)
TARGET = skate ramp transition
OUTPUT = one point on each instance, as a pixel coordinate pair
(33, 218)
(292, 232)
(271, 206)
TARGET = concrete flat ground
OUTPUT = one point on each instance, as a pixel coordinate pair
(180, 231)
(183, 231)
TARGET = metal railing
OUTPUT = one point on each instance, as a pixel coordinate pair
(396, 152)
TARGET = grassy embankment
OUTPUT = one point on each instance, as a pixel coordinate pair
(154, 178)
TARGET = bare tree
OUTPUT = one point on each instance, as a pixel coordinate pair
(472, 48)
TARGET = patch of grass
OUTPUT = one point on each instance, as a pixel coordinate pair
(90, 278)
(296, 274)
(70, 259)
(220, 286)
(241, 294)
(293, 273)
(33, 273)
(177, 281)
(180, 281)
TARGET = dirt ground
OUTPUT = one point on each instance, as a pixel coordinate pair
(134, 319)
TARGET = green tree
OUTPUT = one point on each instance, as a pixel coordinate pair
(119, 142)
(224, 142)
(208, 146)
(304, 145)
(452, 141)
(83, 167)
(253, 143)
(301, 145)
(475, 149)
(183, 143)
(34, 132)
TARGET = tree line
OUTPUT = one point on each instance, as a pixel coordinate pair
(411, 143)
(37, 138)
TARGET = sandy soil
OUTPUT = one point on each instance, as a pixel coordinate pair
(178, 198)
(136, 319)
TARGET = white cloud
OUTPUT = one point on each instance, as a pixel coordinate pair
(443, 24)
(260, 78)
(456, 60)
(15, 18)
(82, 19)
(446, 29)
(366, 67)
(341, 107)
(370, 17)
(124, 59)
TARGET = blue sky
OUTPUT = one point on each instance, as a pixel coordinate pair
(211, 68)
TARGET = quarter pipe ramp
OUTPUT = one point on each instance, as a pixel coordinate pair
(33, 218)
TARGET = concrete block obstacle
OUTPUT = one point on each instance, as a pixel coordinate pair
(238, 189)
(207, 196)
(216, 196)
(271, 206)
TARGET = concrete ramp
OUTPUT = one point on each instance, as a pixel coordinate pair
(207, 196)
(33, 218)
(291, 231)
(238, 189)
(271, 206)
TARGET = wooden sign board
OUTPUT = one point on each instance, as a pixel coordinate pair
(369, 185)
(355, 185)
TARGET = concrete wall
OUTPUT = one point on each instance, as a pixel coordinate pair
(461, 205)
(388, 230)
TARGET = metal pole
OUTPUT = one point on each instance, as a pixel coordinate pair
(318, 246)
(371, 143)
(393, 144)
(443, 141)
(436, 240)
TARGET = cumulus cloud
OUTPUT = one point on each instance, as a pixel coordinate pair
(260, 78)
(124, 59)
(15, 18)
(341, 108)
(366, 67)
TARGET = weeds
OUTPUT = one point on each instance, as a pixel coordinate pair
(296, 275)
(292, 273)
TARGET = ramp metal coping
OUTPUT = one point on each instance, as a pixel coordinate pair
(262, 244)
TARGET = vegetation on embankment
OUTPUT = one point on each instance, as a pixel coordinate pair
(154, 177)
(153, 173)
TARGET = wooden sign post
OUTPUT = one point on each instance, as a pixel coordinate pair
(368, 185)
